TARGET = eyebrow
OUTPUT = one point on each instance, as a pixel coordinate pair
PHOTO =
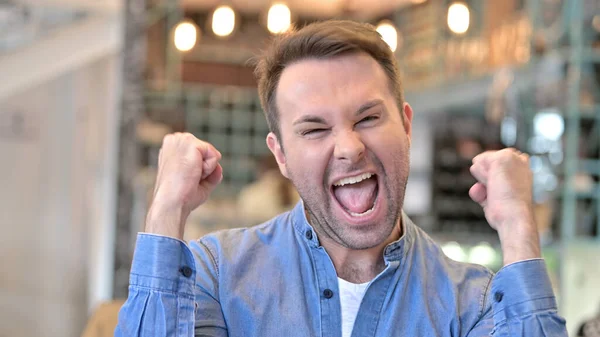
(321, 120)
(368, 105)
(310, 119)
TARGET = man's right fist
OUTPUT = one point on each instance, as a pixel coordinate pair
(188, 171)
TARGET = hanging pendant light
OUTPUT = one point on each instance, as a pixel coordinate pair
(388, 33)
(223, 21)
(186, 35)
(458, 17)
(279, 18)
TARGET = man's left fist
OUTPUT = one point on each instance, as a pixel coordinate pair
(504, 190)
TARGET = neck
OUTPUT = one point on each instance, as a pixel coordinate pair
(359, 266)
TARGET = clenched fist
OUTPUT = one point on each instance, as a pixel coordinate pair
(504, 190)
(188, 171)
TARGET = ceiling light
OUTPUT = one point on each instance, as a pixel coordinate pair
(389, 34)
(458, 18)
(185, 35)
(223, 21)
(279, 18)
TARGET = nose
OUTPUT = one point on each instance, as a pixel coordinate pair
(349, 146)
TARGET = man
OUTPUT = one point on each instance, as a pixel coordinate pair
(346, 260)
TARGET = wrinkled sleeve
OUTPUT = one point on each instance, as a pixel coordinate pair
(167, 292)
(520, 303)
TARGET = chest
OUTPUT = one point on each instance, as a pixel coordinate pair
(303, 303)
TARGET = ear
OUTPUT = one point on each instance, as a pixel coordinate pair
(275, 147)
(407, 113)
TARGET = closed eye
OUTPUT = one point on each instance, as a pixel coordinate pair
(367, 119)
(312, 132)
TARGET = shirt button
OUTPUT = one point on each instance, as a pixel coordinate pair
(498, 296)
(328, 293)
(186, 271)
(309, 234)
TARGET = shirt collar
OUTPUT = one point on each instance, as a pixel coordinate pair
(394, 251)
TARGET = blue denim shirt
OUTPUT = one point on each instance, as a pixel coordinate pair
(276, 280)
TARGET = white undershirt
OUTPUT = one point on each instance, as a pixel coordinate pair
(351, 294)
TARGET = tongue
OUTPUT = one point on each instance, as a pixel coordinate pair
(357, 198)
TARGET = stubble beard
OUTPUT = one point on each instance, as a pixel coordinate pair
(328, 227)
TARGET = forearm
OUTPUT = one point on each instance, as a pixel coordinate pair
(166, 221)
(519, 237)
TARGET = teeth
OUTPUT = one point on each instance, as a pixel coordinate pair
(353, 180)
(362, 214)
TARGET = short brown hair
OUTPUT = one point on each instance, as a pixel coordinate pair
(321, 40)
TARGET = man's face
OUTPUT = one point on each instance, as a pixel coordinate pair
(345, 146)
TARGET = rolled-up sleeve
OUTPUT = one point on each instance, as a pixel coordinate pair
(520, 302)
(161, 290)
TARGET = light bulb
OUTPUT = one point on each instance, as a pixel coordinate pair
(389, 34)
(458, 18)
(185, 35)
(223, 21)
(279, 18)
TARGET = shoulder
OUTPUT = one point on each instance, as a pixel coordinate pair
(459, 273)
(467, 284)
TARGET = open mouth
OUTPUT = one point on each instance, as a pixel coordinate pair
(358, 194)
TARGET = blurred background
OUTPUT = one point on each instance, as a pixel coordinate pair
(89, 88)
